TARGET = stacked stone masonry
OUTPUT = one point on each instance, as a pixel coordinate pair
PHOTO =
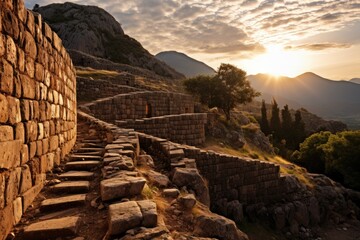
(37, 107)
(229, 177)
(184, 128)
(140, 105)
(89, 89)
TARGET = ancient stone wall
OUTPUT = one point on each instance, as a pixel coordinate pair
(37, 108)
(140, 105)
(184, 128)
(229, 177)
(88, 89)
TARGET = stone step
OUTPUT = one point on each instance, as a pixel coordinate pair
(82, 165)
(91, 141)
(72, 187)
(117, 188)
(77, 175)
(87, 150)
(52, 229)
(84, 157)
(93, 153)
(61, 203)
(92, 145)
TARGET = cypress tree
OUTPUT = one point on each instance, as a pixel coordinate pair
(287, 131)
(275, 123)
(299, 129)
(264, 124)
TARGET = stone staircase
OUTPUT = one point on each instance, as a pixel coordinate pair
(89, 196)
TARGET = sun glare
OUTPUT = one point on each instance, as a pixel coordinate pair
(277, 62)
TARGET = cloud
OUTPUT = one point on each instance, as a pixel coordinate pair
(229, 27)
(318, 46)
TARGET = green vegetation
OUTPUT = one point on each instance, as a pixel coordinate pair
(225, 90)
(336, 155)
(285, 132)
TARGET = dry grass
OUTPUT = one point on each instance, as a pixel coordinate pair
(286, 167)
(95, 73)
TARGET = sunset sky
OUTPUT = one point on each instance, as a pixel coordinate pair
(284, 37)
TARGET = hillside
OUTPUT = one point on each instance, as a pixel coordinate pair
(355, 80)
(184, 64)
(104, 36)
(336, 100)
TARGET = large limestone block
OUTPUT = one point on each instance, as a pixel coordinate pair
(10, 154)
(215, 226)
(149, 212)
(115, 188)
(4, 109)
(6, 77)
(192, 179)
(124, 216)
(14, 110)
(6, 133)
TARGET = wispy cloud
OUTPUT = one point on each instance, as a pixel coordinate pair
(318, 46)
(232, 27)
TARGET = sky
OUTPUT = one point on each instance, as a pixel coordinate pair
(280, 37)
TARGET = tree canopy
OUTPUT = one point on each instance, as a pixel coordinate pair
(224, 90)
(336, 155)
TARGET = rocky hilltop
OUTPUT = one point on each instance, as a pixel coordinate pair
(184, 64)
(94, 31)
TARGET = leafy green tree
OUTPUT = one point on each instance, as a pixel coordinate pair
(264, 123)
(226, 89)
(312, 153)
(275, 124)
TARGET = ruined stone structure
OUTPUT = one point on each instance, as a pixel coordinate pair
(167, 115)
(183, 128)
(89, 89)
(37, 108)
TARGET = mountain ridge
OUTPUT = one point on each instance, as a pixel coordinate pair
(335, 100)
(184, 64)
(104, 36)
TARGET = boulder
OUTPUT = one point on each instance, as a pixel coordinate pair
(157, 179)
(188, 201)
(171, 193)
(192, 179)
(115, 188)
(149, 212)
(215, 226)
(124, 216)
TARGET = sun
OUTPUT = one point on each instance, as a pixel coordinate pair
(277, 62)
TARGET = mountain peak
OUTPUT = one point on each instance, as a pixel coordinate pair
(184, 64)
(104, 36)
(308, 75)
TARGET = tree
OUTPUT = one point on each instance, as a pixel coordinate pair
(275, 123)
(226, 89)
(299, 134)
(286, 125)
(264, 123)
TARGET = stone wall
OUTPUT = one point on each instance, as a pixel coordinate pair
(229, 177)
(140, 105)
(89, 89)
(184, 128)
(37, 108)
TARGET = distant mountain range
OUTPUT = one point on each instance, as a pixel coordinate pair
(93, 31)
(337, 100)
(355, 80)
(184, 64)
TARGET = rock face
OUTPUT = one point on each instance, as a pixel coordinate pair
(215, 226)
(104, 36)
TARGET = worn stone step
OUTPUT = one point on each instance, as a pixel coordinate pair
(82, 165)
(93, 153)
(77, 175)
(91, 141)
(52, 229)
(92, 145)
(72, 187)
(84, 157)
(87, 150)
(62, 203)
(117, 188)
